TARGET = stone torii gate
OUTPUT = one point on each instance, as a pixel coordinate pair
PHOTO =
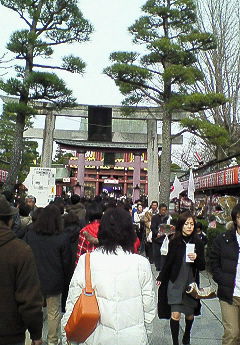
(150, 116)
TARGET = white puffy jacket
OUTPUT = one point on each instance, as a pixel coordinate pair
(124, 288)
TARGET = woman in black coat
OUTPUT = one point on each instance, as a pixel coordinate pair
(177, 274)
(52, 252)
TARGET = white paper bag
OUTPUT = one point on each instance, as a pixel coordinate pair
(164, 247)
(149, 238)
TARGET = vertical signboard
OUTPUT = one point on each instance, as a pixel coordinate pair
(40, 183)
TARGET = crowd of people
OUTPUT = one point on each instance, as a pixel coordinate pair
(42, 260)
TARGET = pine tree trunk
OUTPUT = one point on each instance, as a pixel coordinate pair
(16, 158)
(165, 159)
(15, 163)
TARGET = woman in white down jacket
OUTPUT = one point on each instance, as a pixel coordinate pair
(123, 284)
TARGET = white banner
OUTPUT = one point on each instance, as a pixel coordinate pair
(40, 183)
(191, 187)
(177, 188)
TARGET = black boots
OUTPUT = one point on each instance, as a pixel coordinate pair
(186, 336)
(174, 325)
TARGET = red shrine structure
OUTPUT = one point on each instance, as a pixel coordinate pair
(113, 150)
(119, 170)
(112, 156)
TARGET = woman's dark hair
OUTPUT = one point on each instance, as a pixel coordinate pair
(182, 220)
(24, 209)
(94, 211)
(70, 218)
(36, 214)
(59, 202)
(234, 213)
(111, 203)
(116, 229)
(49, 222)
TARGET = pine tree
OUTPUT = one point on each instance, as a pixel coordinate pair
(61, 157)
(221, 68)
(7, 138)
(162, 75)
(49, 23)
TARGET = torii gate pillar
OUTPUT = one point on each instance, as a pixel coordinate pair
(152, 157)
(47, 148)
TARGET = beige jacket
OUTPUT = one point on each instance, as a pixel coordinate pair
(147, 221)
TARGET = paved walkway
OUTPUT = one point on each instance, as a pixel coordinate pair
(207, 328)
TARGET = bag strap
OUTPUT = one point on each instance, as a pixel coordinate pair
(88, 281)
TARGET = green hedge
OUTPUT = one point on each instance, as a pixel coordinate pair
(211, 233)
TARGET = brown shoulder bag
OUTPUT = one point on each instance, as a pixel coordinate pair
(85, 314)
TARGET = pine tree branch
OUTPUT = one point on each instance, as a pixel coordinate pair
(20, 14)
(45, 27)
(179, 133)
(151, 97)
(50, 67)
(57, 43)
(140, 85)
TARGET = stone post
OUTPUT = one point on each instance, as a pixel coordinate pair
(81, 170)
(48, 132)
(136, 176)
(152, 157)
(97, 188)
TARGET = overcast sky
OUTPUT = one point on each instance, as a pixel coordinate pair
(111, 19)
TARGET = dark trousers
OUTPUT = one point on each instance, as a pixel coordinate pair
(149, 251)
(157, 255)
(163, 260)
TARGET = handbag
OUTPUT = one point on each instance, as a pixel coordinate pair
(85, 315)
(196, 292)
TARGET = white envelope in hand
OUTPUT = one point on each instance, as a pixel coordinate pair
(190, 248)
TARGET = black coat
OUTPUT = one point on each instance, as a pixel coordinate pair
(72, 232)
(171, 269)
(223, 262)
(20, 295)
(53, 259)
